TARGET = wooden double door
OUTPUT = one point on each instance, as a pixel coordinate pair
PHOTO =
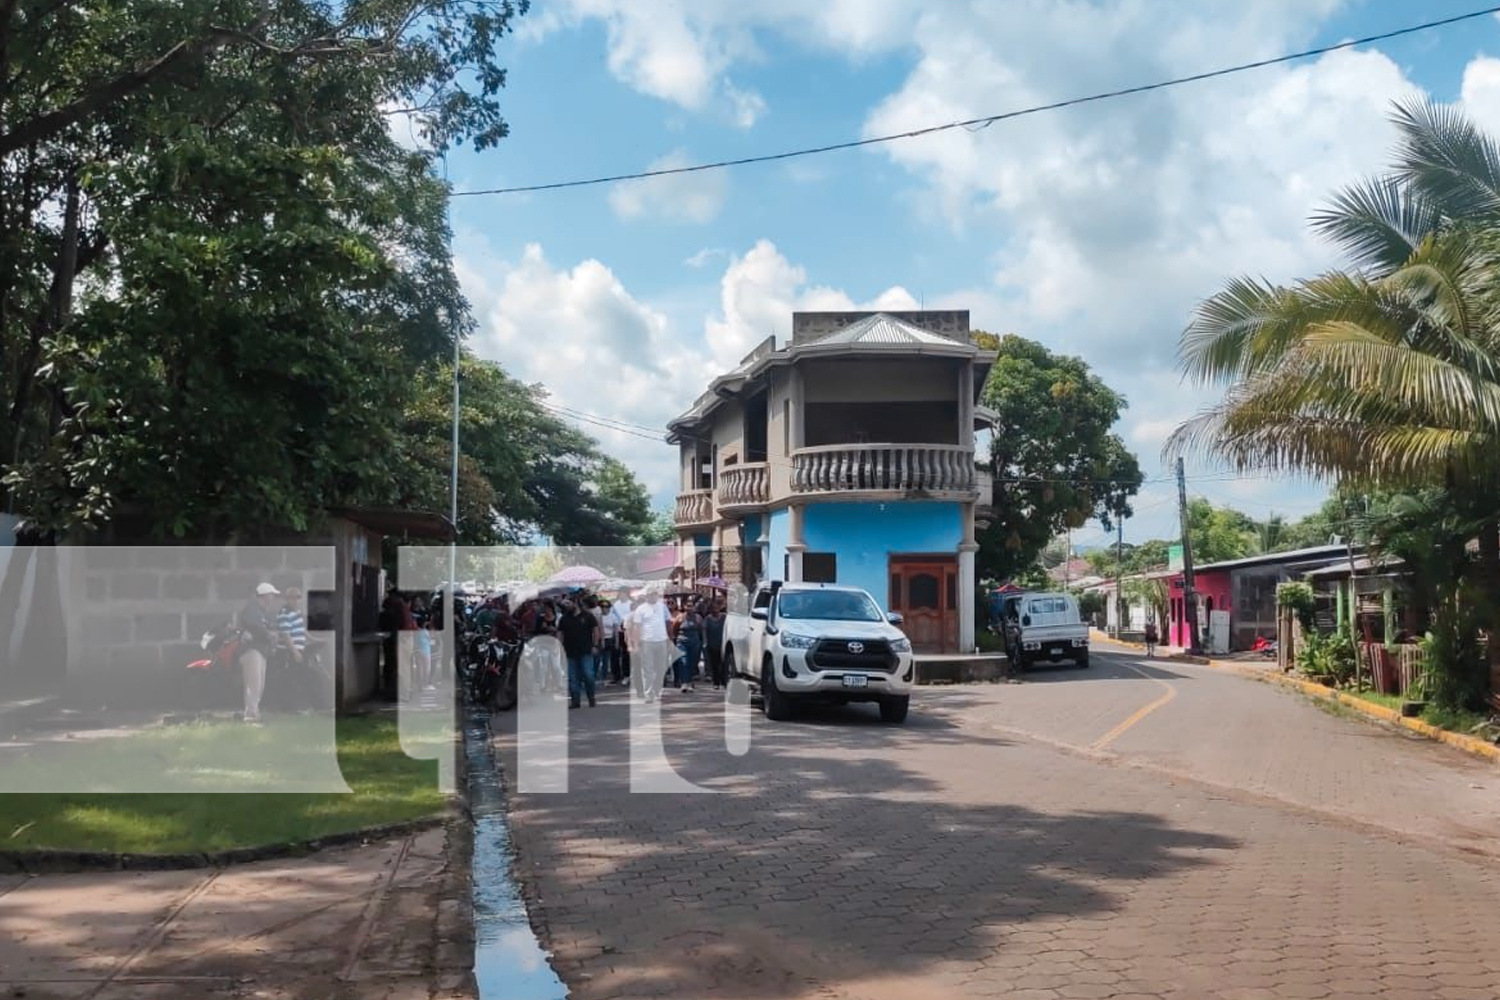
(924, 591)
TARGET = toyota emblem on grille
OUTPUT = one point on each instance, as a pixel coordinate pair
(856, 647)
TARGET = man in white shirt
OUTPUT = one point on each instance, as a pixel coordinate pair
(650, 644)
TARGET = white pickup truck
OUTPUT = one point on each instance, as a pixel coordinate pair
(1044, 627)
(804, 641)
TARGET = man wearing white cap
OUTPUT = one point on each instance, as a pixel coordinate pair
(256, 623)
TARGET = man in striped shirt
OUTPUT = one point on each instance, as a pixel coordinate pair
(292, 624)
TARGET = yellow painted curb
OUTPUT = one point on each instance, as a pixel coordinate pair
(1469, 744)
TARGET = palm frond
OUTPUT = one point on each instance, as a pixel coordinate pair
(1448, 159)
(1378, 222)
(1364, 375)
(1213, 347)
(1248, 326)
(1322, 447)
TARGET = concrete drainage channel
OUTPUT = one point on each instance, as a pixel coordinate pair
(509, 962)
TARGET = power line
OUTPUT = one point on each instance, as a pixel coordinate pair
(974, 124)
(603, 423)
(658, 433)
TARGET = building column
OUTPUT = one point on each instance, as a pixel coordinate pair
(966, 583)
(796, 545)
(966, 404)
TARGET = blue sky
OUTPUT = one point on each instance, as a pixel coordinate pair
(1093, 230)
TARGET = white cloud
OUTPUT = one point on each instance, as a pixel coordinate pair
(704, 256)
(682, 52)
(690, 197)
(597, 348)
(1481, 93)
(760, 291)
(747, 106)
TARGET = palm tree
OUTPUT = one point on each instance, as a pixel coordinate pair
(1388, 373)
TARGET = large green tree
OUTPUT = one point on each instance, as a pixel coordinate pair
(522, 469)
(1056, 463)
(1219, 533)
(219, 274)
(1386, 374)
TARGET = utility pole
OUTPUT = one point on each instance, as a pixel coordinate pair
(1189, 597)
(1119, 574)
(1068, 562)
(450, 618)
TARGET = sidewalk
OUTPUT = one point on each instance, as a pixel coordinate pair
(383, 921)
(1266, 670)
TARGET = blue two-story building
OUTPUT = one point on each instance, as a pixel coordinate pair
(846, 455)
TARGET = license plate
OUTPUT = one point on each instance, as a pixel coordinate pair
(1056, 651)
(855, 680)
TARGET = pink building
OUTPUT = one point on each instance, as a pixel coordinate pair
(1246, 588)
(1213, 586)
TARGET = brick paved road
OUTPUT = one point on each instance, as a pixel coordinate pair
(986, 850)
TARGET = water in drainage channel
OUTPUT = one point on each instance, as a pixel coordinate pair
(509, 962)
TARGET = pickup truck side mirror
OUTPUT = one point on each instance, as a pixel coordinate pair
(1025, 620)
(759, 614)
(895, 618)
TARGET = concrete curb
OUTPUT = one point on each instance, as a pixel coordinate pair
(1468, 744)
(48, 862)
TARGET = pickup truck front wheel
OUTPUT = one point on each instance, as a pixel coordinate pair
(777, 706)
(893, 710)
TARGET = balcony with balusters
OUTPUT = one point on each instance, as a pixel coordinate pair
(931, 469)
(694, 508)
(744, 487)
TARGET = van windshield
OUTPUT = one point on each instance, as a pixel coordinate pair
(827, 605)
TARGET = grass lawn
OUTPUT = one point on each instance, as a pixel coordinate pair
(1391, 701)
(1459, 721)
(189, 762)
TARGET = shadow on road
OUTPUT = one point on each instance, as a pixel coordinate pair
(822, 857)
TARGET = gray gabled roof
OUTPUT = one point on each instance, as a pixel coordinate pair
(883, 328)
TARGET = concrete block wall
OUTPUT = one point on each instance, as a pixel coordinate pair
(136, 614)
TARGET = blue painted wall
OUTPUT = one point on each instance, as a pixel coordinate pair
(865, 537)
(780, 534)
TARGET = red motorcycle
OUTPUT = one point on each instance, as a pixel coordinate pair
(1263, 646)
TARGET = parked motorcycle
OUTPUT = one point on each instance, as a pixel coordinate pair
(492, 679)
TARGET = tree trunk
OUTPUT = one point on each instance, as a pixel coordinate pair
(59, 308)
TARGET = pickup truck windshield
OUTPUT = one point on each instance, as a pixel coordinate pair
(828, 605)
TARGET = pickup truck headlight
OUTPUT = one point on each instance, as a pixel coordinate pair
(1031, 646)
(794, 640)
(1079, 643)
(901, 645)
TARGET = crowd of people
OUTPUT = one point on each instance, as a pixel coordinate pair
(648, 640)
(650, 643)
